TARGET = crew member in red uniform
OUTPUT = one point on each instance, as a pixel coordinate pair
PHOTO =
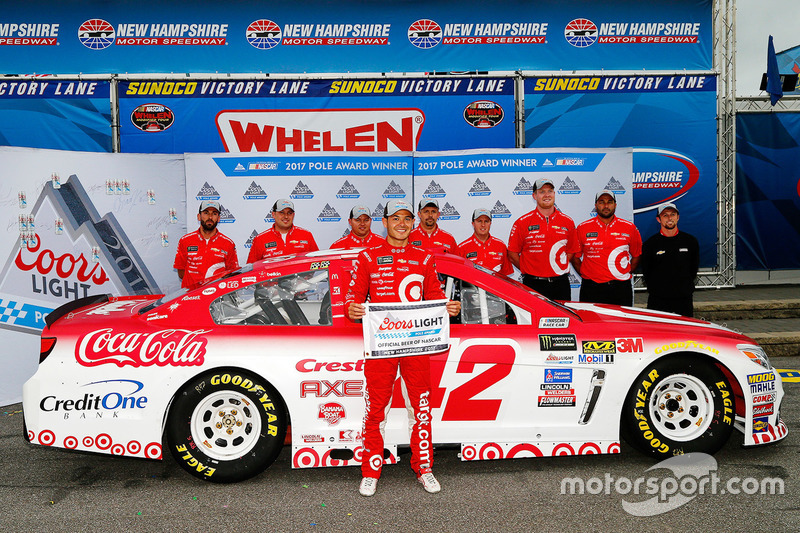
(482, 248)
(204, 252)
(396, 272)
(428, 234)
(610, 249)
(360, 235)
(542, 243)
(283, 237)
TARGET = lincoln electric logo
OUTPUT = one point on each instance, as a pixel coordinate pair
(661, 176)
(325, 130)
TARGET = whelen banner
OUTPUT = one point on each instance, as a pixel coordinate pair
(670, 122)
(69, 37)
(316, 116)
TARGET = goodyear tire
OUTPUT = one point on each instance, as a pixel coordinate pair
(679, 405)
(227, 425)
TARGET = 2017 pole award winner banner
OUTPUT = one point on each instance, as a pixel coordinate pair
(80, 224)
(502, 180)
(403, 329)
(324, 188)
(317, 116)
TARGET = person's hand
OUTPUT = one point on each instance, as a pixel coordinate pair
(453, 307)
(356, 311)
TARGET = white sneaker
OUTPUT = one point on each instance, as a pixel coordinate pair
(368, 486)
(429, 481)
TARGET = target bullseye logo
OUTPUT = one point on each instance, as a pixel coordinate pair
(558, 257)
(411, 288)
(376, 462)
(619, 262)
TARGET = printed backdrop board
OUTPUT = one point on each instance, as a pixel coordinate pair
(502, 180)
(323, 188)
(80, 224)
(316, 116)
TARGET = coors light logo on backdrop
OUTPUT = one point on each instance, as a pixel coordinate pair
(92, 256)
(321, 130)
(170, 347)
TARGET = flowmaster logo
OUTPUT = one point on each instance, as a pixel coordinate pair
(692, 474)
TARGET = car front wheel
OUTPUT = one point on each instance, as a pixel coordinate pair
(226, 426)
(679, 405)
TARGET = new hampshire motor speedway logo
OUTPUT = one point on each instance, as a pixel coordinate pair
(328, 214)
(263, 34)
(479, 188)
(581, 33)
(424, 33)
(96, 34)
(448, 212)
(255, 192)
(348, 191)
(569, 187)
(207, 192)
(394, 191)
(661, 176)
(434, 190)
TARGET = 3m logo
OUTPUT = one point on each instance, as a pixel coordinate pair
(599, 347)
(321, 130)
(630, 345)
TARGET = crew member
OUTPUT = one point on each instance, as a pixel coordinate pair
(203, 253)
(396, 272)
(360, 235)
(428, 234)
(610, 249)
(670, 260)
(283, 237)
(542, 243)
(483, 249)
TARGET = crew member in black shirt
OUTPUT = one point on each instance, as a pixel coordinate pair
(670, 259)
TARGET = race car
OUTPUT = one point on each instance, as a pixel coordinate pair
(227, 374)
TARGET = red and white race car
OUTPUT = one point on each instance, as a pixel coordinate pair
(219, 374)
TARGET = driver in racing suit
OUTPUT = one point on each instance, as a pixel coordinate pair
(396, 272)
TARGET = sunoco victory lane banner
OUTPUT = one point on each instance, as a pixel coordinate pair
(323, 188)
(70, 37)
(669, 120)
(316, 116)
(80, 224)
(403, 329)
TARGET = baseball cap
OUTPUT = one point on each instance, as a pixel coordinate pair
(669, 205)
(281, 204)
(359, 210)
(541, 182)
(605, 191)
(425, 202)
(205, 204)
(397, 205)
(480, 212)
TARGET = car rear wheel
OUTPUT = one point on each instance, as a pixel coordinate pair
(226, 426)
(679, 405)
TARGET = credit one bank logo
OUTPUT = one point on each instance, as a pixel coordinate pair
(321, 130)
(661, 176)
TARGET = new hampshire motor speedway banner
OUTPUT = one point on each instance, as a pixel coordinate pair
(324, 188)
(502, 181)
(670, 121)
(403, 329)
(70, 37)
(317, 116)
(54, 113)
(80, 224)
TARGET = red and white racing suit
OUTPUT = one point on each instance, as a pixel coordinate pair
(200, 258)
(490, 254)
(351, 241)
(272, 243)
(439, 238)
(395, 274)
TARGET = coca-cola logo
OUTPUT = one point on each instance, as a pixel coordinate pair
(170, 347)
(65, 265)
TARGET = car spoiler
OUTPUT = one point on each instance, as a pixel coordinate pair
(73, 305)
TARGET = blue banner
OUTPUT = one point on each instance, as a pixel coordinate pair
(767, 191)
(70, 37)
(54, 113)
(670, 121)
(313, 116)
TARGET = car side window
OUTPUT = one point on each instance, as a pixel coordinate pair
(301, 299)
(478, 306)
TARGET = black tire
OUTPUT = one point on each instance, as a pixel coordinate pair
(679, 405)
(227, 425)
